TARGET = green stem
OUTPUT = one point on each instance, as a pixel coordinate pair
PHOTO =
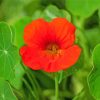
(50, 92)
(31, 80)
(56, 88)
(35, 81)
(30, 89)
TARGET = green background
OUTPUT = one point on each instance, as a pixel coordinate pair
(80, 82)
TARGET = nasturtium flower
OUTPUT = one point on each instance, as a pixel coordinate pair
(49, 46)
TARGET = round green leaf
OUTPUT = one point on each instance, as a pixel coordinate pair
(94, 77)
(8, 52)
(96, 57)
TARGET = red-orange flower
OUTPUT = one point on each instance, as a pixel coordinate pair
(50, 45)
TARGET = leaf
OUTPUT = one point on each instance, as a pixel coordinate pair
(82, 8)
(6, 92)
(93, 36)
(19, 26)
(94, 77)
(49, 14)
(52, 12)
(8, 52)
(96, 57)
(19, 72)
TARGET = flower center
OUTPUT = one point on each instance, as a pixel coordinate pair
(52, 48)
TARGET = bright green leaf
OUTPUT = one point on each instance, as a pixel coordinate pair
(6, 92)
(8, 52)
(94, 77)
(96, 57)
(82, 8)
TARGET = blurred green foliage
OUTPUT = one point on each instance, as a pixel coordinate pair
(73, 84)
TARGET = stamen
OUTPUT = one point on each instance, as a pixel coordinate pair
(52, 48)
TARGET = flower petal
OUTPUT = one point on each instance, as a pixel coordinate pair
(41, 60)
(67, 58)
(64, 31)
(37, 33)
(33, 58)
(26, 54)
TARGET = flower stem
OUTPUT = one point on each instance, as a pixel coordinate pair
(31, 91)
(56, 88)
(31, 81)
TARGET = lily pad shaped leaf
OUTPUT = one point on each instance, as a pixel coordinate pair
(8, 52)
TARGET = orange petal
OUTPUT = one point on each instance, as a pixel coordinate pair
(66, 59)
(64, 31)
(33, 58)
(37, 33)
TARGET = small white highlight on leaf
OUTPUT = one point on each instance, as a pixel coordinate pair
(5, 51)
(3, 96)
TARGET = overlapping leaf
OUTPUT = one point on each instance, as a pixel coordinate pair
(94, 77)
(52, 11)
